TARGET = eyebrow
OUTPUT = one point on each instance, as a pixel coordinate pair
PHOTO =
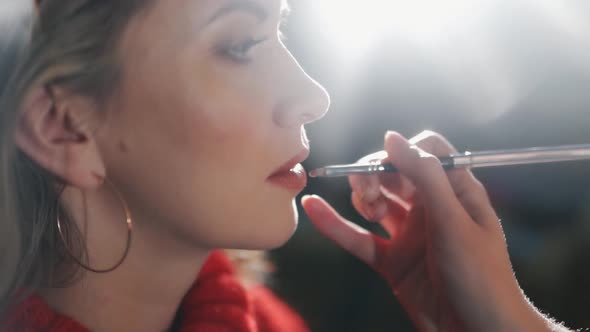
(247, 6)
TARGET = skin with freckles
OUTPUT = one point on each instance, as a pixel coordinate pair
(211, 128)
(210, 104)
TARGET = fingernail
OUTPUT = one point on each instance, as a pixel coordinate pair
(389, 141)
(306, 197)
(308, 207)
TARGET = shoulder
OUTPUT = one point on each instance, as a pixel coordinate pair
(33, 314)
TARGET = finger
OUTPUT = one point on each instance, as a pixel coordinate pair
(395, 218)
(470, 192)
(437, 145)
(389, 213)
(367, 187)
(398, 185)
(430, 179)
(360, 206)
(475, 199)
(373, 211)
(346, 234)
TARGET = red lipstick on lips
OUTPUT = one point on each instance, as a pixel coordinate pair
(291, 175)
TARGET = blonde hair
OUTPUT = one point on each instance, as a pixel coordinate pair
(72, 44)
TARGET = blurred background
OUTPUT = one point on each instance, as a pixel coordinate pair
(488, 74)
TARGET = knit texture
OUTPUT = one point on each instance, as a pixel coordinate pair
(217, 302)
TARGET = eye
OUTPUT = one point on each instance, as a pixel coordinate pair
(240, 52)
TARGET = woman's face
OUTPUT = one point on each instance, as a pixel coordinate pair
(211, 105)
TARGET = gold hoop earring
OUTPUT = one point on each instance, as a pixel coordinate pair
(129, 223)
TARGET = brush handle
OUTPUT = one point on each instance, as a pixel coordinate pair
(473, 160)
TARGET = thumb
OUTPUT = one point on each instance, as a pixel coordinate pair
(353, 238)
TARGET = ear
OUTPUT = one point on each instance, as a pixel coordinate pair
(56, 131)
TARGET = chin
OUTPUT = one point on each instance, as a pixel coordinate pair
(282, 238)
(276, 229)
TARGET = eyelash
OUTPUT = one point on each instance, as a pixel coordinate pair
(239, 52)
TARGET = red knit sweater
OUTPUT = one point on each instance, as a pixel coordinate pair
(217, 302)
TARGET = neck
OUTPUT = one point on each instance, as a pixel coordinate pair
(144, 293)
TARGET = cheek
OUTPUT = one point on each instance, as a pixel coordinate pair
(198, 143)
(215, 134)
(224, 117)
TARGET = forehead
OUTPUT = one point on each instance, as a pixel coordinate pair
(195, 13)
(208, 6)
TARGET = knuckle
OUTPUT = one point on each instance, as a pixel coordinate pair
(429, 162)
(435, 143)
(421, 159)
(433, 136)
(423, 137)
(373, 157)
(415, 153)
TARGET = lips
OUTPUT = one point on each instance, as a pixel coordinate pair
(299, 158)
(291, 175)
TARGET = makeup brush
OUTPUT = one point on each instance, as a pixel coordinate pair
(471, 160)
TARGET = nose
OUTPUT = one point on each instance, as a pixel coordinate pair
(304, 100)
